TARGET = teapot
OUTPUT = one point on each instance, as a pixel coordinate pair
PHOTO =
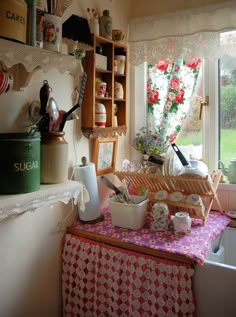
(229, 172)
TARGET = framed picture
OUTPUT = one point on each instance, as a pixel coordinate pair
(104, 155)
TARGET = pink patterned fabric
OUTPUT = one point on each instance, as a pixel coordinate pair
(194, 246)
(104, 281)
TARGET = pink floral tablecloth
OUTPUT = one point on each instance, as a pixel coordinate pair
(105, 281)
(194, 246)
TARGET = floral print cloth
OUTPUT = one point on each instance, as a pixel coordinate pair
(170, 88)
(195, 246)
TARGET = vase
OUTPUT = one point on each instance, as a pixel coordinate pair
(54, 158)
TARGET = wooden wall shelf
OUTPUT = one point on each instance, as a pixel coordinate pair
(107, 50)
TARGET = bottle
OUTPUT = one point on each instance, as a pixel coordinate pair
(182, 223)
(105, 25)
(53, 158)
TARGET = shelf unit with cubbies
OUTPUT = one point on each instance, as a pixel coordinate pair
(99, 66)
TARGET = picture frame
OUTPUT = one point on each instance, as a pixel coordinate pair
(104, 154)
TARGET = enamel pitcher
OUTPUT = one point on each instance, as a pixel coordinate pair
(229, 172)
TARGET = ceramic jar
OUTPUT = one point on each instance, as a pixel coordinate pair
(94, 26)
(53, 158)
(182, 223)
(119, 91)
(100, 115)
(120, 64)
(105, 25)
(161, 217)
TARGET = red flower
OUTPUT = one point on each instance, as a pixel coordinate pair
(153, 97)
(173, 137)
(177, 68)
(175, 83)
(149, 87)
(162, 65)
(179, 98)
(193, 63)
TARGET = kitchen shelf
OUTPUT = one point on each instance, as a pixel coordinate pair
(108, 74)
(47, 195)
(206, 187)
(21, 61)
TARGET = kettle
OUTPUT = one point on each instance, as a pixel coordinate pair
(229, 172)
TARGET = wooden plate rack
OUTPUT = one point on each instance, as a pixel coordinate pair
(206, 187)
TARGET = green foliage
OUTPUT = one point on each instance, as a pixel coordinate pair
(228, 106)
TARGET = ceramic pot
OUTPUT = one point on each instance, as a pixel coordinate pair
(53, 158)
(100, 115)
(119, 91)
(182, 223)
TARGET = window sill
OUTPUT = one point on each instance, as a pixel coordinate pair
(46, 196)
(227, 187)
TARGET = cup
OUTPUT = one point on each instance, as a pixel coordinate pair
(52, 32)
(4, 81)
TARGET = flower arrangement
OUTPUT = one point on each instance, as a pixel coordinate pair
(148, 142)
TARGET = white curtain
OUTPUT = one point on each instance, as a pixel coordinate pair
(183, 34)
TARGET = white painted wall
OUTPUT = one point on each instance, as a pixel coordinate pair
(30, 250)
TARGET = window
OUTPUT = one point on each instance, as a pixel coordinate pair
(214, 137)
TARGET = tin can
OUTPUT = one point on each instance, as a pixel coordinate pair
(13, 22)
(19, 163)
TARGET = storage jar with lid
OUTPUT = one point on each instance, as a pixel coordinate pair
(105, 25)
(182, 223)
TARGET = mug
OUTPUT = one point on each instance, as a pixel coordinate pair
(4, 82)
(52, 35)
(102, 87)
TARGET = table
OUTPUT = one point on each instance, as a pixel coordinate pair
(111, 271)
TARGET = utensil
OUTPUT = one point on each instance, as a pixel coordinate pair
(79, 103)
(65, 5)
(188, 169)
(52, 109)
(44, 96)
(33, 113)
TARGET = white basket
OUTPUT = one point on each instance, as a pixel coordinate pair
(130, 216)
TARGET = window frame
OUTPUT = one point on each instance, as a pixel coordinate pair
(210, 115)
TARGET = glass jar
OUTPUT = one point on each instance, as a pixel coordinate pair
(105, 25)
(53, 158)
(182, 223)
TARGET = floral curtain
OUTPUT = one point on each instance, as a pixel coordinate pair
(170, 87)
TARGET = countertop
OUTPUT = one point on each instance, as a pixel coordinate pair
(191, 249)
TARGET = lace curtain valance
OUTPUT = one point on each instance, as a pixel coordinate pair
(183, 34)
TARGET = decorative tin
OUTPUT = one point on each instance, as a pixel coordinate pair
(19, 163)
(13, 22)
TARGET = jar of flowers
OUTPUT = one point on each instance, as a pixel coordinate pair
(149, 143)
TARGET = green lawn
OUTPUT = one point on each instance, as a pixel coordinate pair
(228, 144)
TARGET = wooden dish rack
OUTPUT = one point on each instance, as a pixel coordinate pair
(206, 187)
